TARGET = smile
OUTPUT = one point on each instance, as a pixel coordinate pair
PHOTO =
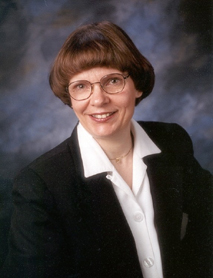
(102, 116)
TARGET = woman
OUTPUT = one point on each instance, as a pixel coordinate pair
(117, 198)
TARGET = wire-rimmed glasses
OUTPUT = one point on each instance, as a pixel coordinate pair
(112, 84)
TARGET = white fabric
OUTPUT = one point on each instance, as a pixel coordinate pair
(136, 203)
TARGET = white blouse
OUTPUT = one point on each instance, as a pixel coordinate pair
(136, 203)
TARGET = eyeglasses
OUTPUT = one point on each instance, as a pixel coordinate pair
(112, 84)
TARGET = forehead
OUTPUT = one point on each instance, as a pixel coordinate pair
(93, 74)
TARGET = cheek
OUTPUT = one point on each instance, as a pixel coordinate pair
(127, 103)
(130, 99)
(78, 107)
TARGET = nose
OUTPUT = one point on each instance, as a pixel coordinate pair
(99, 96)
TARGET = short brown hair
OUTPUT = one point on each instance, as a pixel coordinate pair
(102, 44)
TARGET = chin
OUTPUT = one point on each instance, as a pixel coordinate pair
(102, 134)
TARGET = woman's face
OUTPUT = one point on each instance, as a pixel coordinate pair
(105, 115)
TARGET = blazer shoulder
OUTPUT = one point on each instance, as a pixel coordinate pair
(60, 163)
(60, 154)
(57, 155)
(169, 137)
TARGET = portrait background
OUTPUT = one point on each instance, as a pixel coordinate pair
(174, 35)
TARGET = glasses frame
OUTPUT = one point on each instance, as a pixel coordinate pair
(91, 85)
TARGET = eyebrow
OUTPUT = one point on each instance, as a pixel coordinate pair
(100, 78)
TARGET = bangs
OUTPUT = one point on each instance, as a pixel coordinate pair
(92, 55)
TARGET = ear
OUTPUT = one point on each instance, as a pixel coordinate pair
(138, 94)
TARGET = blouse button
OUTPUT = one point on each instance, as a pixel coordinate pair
(148, 262)
(109, 177)
(138, 217)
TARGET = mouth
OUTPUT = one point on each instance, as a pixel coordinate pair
(102, 116)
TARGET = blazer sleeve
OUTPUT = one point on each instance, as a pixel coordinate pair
(197, 192)
(198, 206)
(35, 240)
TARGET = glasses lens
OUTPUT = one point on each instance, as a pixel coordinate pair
(80, 90)
(112, 83)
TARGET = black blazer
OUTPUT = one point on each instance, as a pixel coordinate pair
(65, 225)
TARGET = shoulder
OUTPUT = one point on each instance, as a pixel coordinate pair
(169, 137)
(62, 154)
(52, 159)
(58, 164)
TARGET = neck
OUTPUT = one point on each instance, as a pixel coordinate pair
(117, 146)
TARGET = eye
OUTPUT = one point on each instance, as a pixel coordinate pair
(113, 81)
(79, 86)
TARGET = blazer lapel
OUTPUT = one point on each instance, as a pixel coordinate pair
(108, 234)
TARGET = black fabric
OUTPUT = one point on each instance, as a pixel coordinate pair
(67, 226)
